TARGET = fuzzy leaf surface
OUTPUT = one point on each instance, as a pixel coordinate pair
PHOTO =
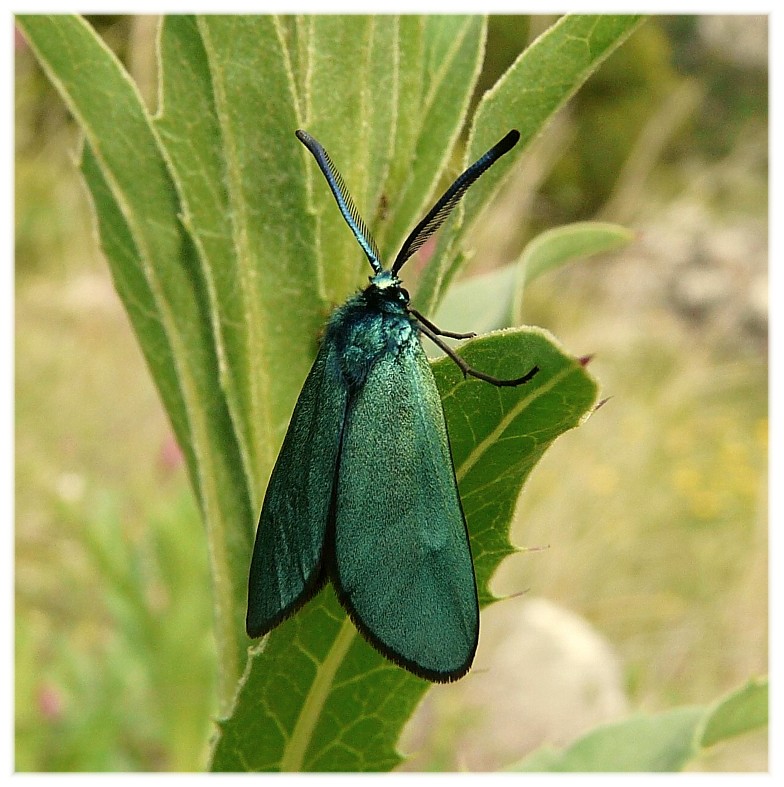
(315, 695)
(542, 79)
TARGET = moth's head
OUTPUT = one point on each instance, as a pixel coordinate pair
(386, 285)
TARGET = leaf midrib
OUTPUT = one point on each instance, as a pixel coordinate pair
(302, 734)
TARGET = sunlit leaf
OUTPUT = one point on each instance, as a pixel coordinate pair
(665, 741)
(526, 97)
(742, 711)
(316, 696)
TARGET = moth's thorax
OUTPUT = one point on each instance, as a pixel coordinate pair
(386, 293)
(370, 324)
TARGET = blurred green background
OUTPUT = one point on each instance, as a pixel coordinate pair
(654, 512)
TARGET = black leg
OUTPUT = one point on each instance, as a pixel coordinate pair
(428, 329)
(421, 318)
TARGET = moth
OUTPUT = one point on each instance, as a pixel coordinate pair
(363, 493)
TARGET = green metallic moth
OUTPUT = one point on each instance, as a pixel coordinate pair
(363, 493)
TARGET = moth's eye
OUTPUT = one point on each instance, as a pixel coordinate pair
(404, 296)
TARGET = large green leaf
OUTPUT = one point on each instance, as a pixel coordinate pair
(526, 97)
(315, 696)
(407, 129)
(227, 250)
(217, 145)
(159, 277)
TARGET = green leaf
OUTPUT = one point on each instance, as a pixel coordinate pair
(498, 434)
(561, 245)
(526, 97)
(665, 741)
(741, 711)
(493, 300)
(316, 696)
(243, 216)
(227, 251)
(410, 57)
(144, 225)
(483, 301)
(134, 289)
(195, 163)
(453, 52)
(353, 61)
(159, 276)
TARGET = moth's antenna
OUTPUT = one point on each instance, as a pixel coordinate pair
(440, 211)
(343, 198)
